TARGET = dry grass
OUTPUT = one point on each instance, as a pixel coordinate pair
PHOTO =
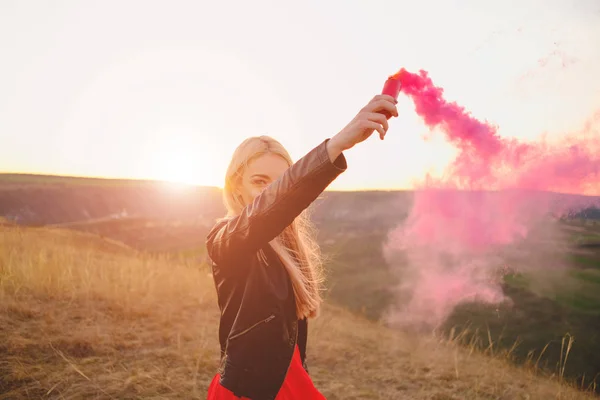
(81, 323)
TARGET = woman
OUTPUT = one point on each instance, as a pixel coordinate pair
(266, 264)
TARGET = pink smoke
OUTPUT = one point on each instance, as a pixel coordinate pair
(452, 240)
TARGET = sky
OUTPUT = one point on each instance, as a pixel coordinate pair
(167, 90)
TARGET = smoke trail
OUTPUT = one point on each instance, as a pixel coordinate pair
(453, 243)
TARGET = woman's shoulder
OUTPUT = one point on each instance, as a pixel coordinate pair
(218, 225)
(220, 222)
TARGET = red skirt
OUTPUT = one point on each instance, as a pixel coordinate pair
(296, 386)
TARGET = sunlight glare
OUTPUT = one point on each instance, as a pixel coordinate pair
(175, 157)
(178, 168)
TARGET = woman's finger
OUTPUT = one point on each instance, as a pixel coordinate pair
(386, 97)
(383, 105)
(380, 119)
(374, 126)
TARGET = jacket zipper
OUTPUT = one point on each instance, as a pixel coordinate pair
(264, 321)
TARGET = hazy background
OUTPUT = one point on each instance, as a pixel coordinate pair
(166, 90)
(105, 289)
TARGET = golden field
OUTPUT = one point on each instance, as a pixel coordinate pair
(82, 317)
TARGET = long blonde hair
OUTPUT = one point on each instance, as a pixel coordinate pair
(296, 245)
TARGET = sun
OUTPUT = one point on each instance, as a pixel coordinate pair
(176, 163)
(182, 157)
(178, 169)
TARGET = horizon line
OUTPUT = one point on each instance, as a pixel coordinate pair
(189, 185)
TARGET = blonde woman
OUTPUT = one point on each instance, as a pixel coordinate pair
(266, 264)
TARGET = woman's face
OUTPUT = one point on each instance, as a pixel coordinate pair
(260, 173)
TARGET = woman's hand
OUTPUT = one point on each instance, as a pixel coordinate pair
(370, 119)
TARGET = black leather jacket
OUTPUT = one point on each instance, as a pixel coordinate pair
(259, 330)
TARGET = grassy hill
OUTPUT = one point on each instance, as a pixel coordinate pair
(152, 220)
(44, 200)
(83, 317)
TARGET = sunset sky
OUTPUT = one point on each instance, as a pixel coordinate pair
(167, 90)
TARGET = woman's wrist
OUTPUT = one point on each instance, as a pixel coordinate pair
(334, 148)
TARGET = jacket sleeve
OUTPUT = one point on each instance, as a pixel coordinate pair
(275, 208)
